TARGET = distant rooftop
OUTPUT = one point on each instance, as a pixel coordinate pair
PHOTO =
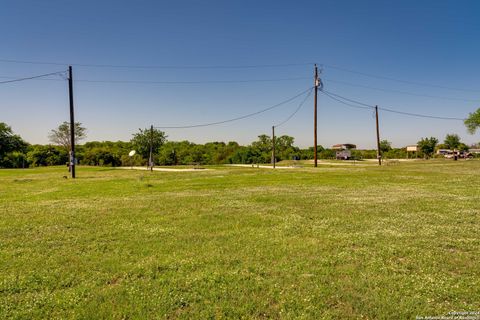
(344, 146)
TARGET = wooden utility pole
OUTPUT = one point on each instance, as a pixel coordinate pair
(379, 153)
(315, 117)
(273, 146)
(150, 160)
(72, 123)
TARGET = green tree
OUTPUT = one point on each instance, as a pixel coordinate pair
(10, 141)
(397, 153)
(12, 147)
(263, 144)
(168, 154)
(49, 155)
(326, 154)
(285, 150)
(463, 147)
(473, 121)
(306, 154)
(15, 159)
(452, 141)
(262, 149)
(176, 153)
(142, 140)
(385, 146)
(427, 146)
(102, 156)
(61, 135)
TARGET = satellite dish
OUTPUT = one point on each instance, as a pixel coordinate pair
(131, 153)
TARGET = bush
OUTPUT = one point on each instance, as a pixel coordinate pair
(46, 156)
(14, 159)
(135, 161)
(102, 157)
(327, 154)
(395, 154)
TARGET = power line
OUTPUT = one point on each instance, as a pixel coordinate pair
(231, 67)
(158, 66)
(347, 99)
(367, 106)
(178, 82)
(192, 82)
(345, 103)
(237, 118)
(401, 92)
(296, 110)
(33, 77)
(421, 115)
(331, 95)
(399, 80)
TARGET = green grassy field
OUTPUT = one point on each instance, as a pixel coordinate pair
(335, 242)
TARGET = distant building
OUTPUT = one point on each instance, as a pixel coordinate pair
(343, 151)
(412, 149)
(345, 146)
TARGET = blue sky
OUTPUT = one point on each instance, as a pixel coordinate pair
(421, 42)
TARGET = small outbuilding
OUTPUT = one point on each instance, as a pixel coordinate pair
(412, 149)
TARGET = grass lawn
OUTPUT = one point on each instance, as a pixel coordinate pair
(333, 242)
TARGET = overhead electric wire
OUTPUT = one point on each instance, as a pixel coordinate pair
(158, 66)
(350, 100)
(420, 115)
(401, 92)
(32, 77)
(398, 80)
(237, 118)
(231, 67)
(345, 103)
(333, 96)
(192, 82)
(297, 109)
(367, 106)
(177, 82)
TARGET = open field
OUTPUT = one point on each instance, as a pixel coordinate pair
(335, 242)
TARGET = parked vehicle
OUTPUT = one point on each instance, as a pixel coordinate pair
(343, 155)
(462, 155)
(466, 155)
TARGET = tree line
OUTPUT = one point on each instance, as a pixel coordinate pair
(16, 153)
